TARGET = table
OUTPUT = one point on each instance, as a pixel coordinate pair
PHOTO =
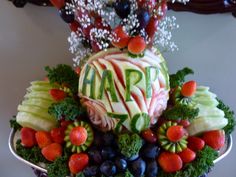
(34, 37)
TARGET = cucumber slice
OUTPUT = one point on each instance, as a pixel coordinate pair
(210, 111)
(29, 120)
(202, 124)
(39, 88)
(42, 83)
(37, 111)
(40, 95)
(139, 122)
(37, 102)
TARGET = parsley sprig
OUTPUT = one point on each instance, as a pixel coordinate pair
(178, 78)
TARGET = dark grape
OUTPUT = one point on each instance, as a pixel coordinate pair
(150, 151)
(95, 156)
(143, 18)
(108, 153)
(122, 8)
(152, 169)
(67, 15)
(19, 3)
(98, 138)
(90, 171)
(138, 167)
(121, 164)
(108, 139)
(108, 168)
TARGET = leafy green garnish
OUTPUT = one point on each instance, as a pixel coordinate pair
(30, 154)
(229, 114)
(14, 124)
(129, 144)
(127, 173)
(58, 168)
(198, 167)
(63, 75)
(67, 108)
(181, 111)
(178, 78)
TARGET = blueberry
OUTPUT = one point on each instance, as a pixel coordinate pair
(150, 151)
(108, 168)
(121, 164)
(108, 153)
(138, 167)
(90, 171)
(143, 18)
(95, 156)
(19, 3)
(122, 8)
(67, 15)
(152, 169)
(108, 139)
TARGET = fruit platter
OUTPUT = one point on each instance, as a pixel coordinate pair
(118, 112)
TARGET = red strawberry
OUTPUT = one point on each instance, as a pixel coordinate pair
(195, 143)
(137, 45)
(189, 88)
(58, 135)
(214, 139)
(65, 123)
(78, 136)
(52, 151)
(58, 3)
(152, 27)
(78, 162)
(170, 162)
(43, 138)
(149, 136)
(28, 137)
(187, 155)
(57, 94)
(121, 37)
(175, 133)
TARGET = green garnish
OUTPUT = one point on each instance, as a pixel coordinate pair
(229, 114)
(127, 173)
(198, 167)
(67, 108)
(58, 168)
(63, 75)
(14, 124)
(181, 111)
(81, 174)
(30, 154)
(178, 78)
(129, 144)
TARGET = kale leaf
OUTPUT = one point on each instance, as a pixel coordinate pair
(14, 124)
(58, 168)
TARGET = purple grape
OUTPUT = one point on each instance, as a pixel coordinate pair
(108, 153)
(122, 8)
(108, 168)
(143, 17)
(150, 151)
(138, 167)
(66, 15)
(19, 3)
(90, 171)
(95, 156)
(108, 139)
(121, 164)
(152, 169)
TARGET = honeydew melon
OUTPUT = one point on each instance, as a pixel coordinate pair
(37, 102)
(39, 94)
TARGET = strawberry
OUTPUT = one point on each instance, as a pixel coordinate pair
(189, 88)
(187, 155)
(175, 133)
(195, 143)
(215, 139)
(136, 45)
(78, 162)
(152, 27)
(149, 136)
(52, 151)
(58, 135)
(43, 138)
(57, 94)
(78, 136)
(64, 123)
(74, 26)
(28, 137)
(170, 162)
(58, 3)
(121, 38)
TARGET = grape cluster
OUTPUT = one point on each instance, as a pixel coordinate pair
(106, 159)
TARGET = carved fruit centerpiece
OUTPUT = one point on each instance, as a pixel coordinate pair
(121, 91)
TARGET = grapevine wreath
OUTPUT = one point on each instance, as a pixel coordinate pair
(118, 112)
